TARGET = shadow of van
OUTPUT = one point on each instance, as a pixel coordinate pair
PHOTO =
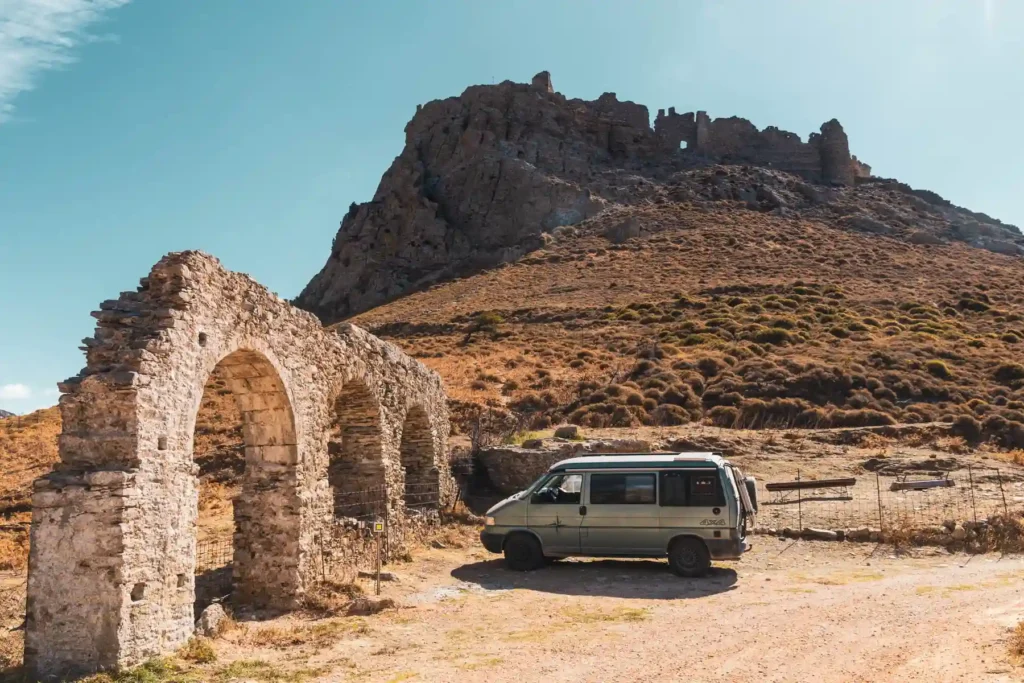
(642, 579)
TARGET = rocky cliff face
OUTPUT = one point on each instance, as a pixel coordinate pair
(488, 176)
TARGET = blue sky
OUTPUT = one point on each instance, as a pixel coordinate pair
(246, 127)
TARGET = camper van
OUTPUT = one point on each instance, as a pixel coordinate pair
(689, 507)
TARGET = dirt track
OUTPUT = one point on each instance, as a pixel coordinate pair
(789, 612)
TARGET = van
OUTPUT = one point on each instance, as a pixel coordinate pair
(689, 507)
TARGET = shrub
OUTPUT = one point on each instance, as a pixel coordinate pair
(1009, 372)
(859, 418)
(938, 369)
(622, 416)
(198, 650)
(840, 332)
(1010, 338)
(968, 428)
(774, 335)
(723, 416)
(668, 415)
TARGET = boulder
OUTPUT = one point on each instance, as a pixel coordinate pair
(365, 606)
(819, 534)
(211, 621)
(626, 230)
(567, 432)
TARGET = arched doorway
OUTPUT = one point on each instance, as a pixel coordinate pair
(257, 475)
(355, 471)
(417, 457)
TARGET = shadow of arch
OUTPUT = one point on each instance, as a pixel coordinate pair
(266, 511)
(355, 471)
(416, 453)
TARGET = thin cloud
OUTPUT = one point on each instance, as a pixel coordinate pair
(41, 35)
(10, 392)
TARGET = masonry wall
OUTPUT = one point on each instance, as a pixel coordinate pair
(111, 568)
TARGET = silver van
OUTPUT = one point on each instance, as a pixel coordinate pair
(689, 507)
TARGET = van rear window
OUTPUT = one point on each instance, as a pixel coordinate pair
(622, 489)
(691, 489)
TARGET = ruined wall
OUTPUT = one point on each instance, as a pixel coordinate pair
(111, 567)
(824, 158)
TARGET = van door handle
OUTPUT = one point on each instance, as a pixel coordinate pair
(583, 510)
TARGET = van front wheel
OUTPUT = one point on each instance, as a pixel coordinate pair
(523, 553)
(689, 557)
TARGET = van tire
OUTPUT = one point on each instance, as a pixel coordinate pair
(523, 553)
(689, 557)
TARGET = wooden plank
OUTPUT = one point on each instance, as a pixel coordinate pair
(810, 484)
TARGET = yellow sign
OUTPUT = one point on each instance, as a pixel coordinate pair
(378, 527)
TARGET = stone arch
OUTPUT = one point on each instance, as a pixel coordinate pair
(419, 462)
(266, 511)
(113, 544)
(356, 468)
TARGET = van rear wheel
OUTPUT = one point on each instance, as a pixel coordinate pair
(523, 553)
(689, 557)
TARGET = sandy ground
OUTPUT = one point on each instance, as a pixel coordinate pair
(790, 611)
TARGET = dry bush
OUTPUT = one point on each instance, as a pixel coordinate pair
(330, 598)
(1016, 642)
(198, 650)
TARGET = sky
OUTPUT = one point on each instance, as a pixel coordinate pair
(245, 128)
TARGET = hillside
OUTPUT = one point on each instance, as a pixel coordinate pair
(730, 315)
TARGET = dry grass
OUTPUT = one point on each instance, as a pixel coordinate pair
(198, 650)
(1016, 644)
(330, 598)
(319, 634)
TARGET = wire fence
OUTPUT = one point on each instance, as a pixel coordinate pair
(883, 501)
(425, 496)
(363, 505)
(214, 553)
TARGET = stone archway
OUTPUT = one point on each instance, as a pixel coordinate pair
(266, 510)
(356, 470)
(113, 547)
(418, 459)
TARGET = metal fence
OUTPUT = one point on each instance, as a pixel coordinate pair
(214, 553)
(886, 501)
(363, 505)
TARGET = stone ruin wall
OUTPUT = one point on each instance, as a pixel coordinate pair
(113, 537)
(824, 158)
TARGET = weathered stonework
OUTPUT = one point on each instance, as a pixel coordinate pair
(111, 570)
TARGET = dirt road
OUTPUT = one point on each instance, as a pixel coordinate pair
(791, 611)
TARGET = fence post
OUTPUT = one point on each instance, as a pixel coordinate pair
(878, 489)
(974, 507)
(999, 478)
(799, 506)
(387, 526)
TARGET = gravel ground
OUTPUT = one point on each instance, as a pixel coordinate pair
(790, 611)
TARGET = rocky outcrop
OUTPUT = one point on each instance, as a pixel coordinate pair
(4, 413)
(497, 172)
(513, 468)
(483, 176)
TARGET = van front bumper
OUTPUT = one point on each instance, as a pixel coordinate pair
(727, 548)
(492, 541)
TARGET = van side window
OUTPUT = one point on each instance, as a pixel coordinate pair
(622, 489)
(691, 489)
(560, 489)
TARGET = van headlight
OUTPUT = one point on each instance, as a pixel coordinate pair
(488, 521)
